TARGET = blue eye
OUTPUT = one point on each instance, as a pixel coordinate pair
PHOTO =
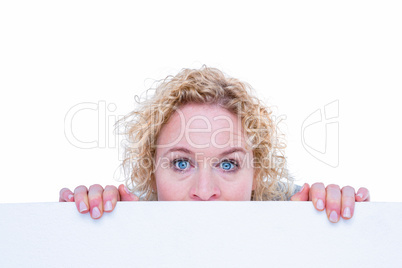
(227, 165)
(181, 164)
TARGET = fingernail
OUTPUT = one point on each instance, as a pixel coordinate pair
(83, 207)
(346, 212)
(320, 204)
(333, 216)
(301, 190)
(360, 195)
(127, 191)
(70, 196)
(108, 206)
(95, 212)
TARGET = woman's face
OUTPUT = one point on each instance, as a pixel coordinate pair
(201, 155)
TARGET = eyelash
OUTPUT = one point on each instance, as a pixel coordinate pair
(175, 161)
(233, 162)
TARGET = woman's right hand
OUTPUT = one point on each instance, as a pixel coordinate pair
(96, 200)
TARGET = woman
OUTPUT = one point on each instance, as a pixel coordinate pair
(204, 136)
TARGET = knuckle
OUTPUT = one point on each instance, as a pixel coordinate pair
(348, 189)
(348, 202)
(95, 186)
(111, 196)
(318, 185)
(333, 187)
(79, 197)
(95, 200)
(110, 188)
(317, 189)
(333, 203)
(81, 187)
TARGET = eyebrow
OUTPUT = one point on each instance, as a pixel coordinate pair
(187, 151)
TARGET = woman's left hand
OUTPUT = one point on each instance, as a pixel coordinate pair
(338, 202)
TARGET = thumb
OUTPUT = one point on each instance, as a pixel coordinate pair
(126, 195)
(302, 195)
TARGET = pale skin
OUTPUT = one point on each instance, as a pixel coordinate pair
(202, 155)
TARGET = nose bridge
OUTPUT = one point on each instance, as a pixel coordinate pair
(205, 186)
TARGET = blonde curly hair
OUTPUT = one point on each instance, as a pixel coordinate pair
(205, 86)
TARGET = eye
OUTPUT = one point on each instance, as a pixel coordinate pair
(181, 164)
(228, 165)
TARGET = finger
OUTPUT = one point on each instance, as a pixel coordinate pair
(126, 195)
(110, 197)
(317, 195)
(302, 195)
(348, 202)
(81, 198)
(363, 195)
(66, 195)
(333, 202)
(95, 195)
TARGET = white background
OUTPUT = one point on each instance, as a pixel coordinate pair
(298, 55)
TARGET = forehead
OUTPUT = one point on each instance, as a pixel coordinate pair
(202, 127)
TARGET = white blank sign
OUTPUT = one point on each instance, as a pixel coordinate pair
(199, 234)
